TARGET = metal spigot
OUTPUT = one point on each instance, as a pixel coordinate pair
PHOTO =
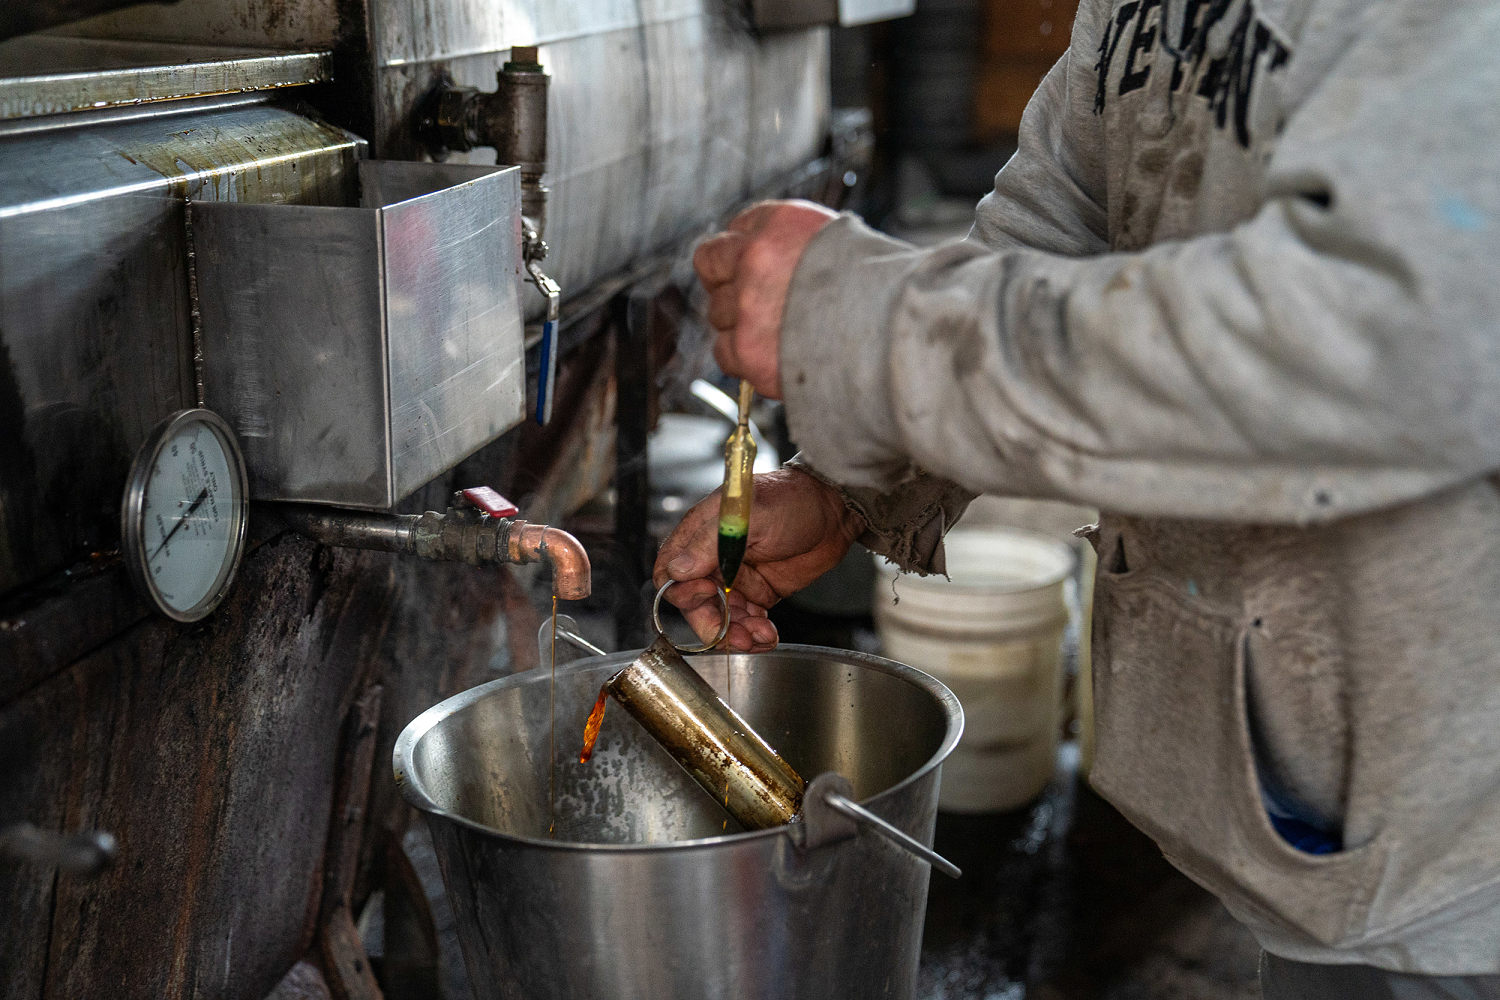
(479, 529)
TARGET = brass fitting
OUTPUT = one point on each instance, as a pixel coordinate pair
(460, 534)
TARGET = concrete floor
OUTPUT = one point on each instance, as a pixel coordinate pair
(1066, 901)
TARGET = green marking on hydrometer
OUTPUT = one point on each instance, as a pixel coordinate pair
(732, 538)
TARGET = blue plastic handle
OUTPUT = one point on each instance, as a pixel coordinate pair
(546, 372)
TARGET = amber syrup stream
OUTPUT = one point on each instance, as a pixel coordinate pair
(591, 728)
(552, 729)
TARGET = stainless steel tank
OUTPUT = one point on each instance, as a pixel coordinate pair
(643, 890)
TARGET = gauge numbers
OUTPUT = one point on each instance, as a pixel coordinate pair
(183, 519)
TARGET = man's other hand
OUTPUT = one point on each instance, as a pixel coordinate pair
(799, 529)
(747, 271)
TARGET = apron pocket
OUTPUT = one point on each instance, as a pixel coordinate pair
(1174, 754)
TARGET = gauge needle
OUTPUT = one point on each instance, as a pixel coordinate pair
(197, 502)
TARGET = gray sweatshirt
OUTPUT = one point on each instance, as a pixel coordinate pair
(1237, 289)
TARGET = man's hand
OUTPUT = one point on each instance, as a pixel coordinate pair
(799, 529)
(747, 272)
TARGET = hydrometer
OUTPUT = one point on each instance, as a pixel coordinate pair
(734, 505)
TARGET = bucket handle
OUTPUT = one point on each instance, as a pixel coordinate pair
(829, 814)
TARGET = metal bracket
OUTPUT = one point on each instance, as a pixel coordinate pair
(822, 823)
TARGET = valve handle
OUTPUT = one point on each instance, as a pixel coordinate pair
(547, 369)
(488, 501)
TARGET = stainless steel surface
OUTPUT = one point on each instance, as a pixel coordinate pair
(359, 352)
(874, 823)
(729, 760)
(125, 115)
(94, 312)
(661, 630)
(53, 75)
(640, 895)
(21, 16)
(282, 24)
(819, 824)
(460, 534)
(662, 116)
(409, 31)
(776, 15)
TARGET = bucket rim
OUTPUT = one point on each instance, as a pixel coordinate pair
(888, 570)
(417, 797)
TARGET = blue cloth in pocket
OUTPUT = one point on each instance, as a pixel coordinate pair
(1305, 836)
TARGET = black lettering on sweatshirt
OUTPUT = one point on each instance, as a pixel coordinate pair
(1226, 83)
(1107, 45)
(1136, 73)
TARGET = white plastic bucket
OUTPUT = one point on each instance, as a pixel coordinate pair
(992, 633)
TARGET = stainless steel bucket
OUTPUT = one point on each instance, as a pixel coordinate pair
(641, 891)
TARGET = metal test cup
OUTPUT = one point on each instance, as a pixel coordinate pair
(684, 714)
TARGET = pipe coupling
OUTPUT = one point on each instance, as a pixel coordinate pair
(512, 119)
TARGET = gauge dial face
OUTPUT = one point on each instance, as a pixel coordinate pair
(184, 514)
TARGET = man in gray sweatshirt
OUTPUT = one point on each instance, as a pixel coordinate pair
(1238, 290)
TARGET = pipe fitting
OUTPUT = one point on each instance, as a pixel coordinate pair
(571, 573)
(512, 119)
(460, 534)
(349, 529)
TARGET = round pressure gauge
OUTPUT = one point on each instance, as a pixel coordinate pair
(183, 519)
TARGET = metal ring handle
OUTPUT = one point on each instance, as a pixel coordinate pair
(656, 620)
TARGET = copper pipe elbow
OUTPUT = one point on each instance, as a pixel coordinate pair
(571, 576)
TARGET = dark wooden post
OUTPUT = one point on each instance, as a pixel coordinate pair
(630, 320)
